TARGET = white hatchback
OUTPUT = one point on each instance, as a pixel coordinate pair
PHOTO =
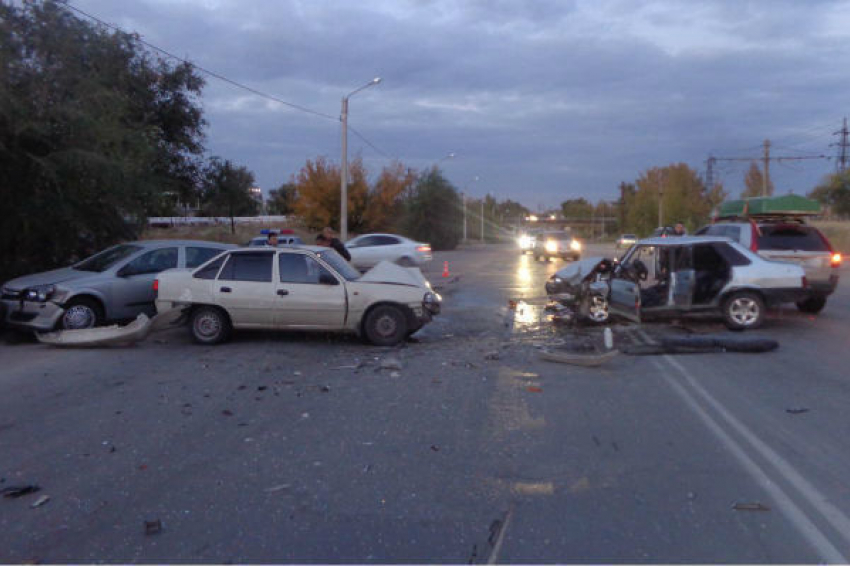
(370, 249)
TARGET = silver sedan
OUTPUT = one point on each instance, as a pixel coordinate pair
(115, 284)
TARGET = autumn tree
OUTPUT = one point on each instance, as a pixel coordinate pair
(226, 191)
(385, 200)
(683, 195)
(317, 186)
(754, 182)
(282, 199)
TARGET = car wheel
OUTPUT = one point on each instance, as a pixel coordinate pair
(812, 305)
(597, 311)
(406, 262)
(209, 325)
(81, 313)
(743, 310)
(385, 325)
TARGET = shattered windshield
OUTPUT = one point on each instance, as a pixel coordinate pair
(107, 258)
(339, 264)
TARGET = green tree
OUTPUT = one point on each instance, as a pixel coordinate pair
(576, 209)
(434, 212)
(834, 192)
(683, 195)
(95, 134)
(754, 182)
(227, 191)
(282, 199)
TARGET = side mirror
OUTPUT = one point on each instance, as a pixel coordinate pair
(326, 278)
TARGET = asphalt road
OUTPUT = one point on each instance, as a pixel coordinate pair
(280, 447)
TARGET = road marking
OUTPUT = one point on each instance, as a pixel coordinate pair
(497, 547)
(784, 503)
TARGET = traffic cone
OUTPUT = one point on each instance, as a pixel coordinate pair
(445, 269)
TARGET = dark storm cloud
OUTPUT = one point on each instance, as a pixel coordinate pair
(551, 98)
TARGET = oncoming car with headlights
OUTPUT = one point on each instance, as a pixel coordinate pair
(557, 244)
(306, 288)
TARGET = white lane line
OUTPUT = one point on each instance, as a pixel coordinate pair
(819, 542)
(497, 547)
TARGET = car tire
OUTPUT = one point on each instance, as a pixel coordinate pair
(80, 313)
(385, 325)
(743, 310)
(812, 305)
(597, 310)
(406, 262)
(209, 325)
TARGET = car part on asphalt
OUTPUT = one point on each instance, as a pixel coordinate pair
(578, 359)
(136, 331)
(703, 345)
(40, 501)
(15, 491)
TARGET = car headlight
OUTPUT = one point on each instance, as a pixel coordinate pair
(575, 245)
(524, 241)
(40, 293)
(431, 301)
(551, 246)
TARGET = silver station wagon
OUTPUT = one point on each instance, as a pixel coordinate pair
(115, 284)
(691, 274)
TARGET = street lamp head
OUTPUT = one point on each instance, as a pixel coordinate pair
(376, 80)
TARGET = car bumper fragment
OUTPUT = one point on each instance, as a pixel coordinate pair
(28, 315)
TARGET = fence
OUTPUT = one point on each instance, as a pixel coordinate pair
(167, 221)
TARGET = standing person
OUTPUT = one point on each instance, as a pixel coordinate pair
(679, 230)
(328, 235)
(272, 239)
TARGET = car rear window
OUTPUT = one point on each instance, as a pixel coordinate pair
(792, 237)
(211, 270)
(195, 256)
(730, 254)
(107, 258)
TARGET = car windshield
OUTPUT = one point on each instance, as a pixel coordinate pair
(340, 265)
(107, 258)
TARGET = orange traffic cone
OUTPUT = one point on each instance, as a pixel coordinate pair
(445, 269)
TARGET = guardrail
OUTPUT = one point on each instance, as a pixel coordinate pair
(166, 221)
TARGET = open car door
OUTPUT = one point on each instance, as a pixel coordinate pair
(624, 296)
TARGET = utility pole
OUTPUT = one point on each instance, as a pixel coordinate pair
(482, 220)
(842, 156)
(660, 199)
(765, 180)
(463, 197)
(709, 173)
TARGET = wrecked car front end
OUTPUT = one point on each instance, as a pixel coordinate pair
(581, 288)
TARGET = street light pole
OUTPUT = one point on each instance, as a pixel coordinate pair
(343, 189)
(463, 197)
(482, 220)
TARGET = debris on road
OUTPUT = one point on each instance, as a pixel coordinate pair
(492, 356)
(227, 413)
(153, 527)
(390, 363)
(277, 488)
(796, 410)
(703, 345)
(40, 501)
(577, 358)
(534, 389)
(15, 491)
(750, 507)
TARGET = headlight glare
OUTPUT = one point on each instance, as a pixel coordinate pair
(40, 293)
(551, 246)
(576, 245)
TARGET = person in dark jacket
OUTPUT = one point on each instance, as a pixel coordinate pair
(326, 238)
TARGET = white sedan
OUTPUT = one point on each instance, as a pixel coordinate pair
(370, 249)
(306, 288)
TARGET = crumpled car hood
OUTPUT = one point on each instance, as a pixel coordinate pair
(47, 278)
(387, 272)
(581, 270)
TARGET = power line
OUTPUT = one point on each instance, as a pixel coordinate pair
(202, 69)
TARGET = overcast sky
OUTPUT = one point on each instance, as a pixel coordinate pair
(542, 100)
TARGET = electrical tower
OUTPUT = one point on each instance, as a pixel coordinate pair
(842, 147)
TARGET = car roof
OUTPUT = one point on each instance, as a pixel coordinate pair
(681, 240)
(153, 243)
(380, 234)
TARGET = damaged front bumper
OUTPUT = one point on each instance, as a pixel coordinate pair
(32, 315)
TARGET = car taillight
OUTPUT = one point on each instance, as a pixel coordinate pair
(805, 282)
(155, 285)
(754, 237)
(835, 260)
(425, 248)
